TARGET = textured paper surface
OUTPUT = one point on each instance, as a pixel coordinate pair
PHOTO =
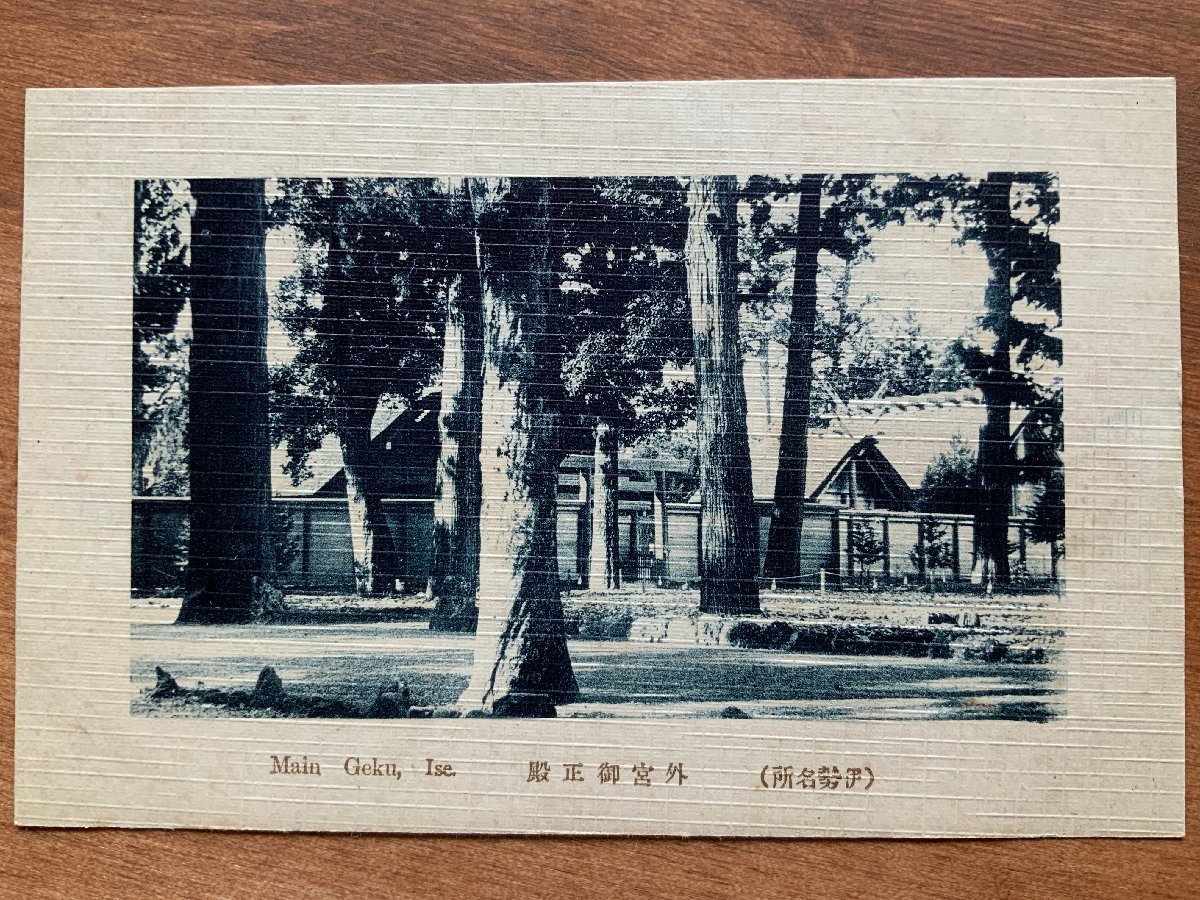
(1110, 764)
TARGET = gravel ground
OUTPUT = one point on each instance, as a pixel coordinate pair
(353, 661)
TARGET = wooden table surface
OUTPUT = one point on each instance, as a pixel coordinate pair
(101, 43)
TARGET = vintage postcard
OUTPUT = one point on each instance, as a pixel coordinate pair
(766, 458)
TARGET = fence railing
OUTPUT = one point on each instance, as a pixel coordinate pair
(660, 544)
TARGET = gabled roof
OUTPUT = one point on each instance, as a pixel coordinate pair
(326, 461)
(873, 466)
(908, 431)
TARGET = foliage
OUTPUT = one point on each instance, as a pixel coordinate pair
(165, 470)
(363, 308)
(1014, 352)
(599, 621)
(162, 213)
(285, 538)
(866, 544)
(933, 549)
(1048, 516)
(625, 313)
(160, 284)
(1023, 304)
(678, 444)
(949, 484)
(856, 354)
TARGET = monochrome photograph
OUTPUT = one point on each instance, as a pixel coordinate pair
(704, 446)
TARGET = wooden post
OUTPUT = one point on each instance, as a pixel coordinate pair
(956, 566)
(835, 549)
(633, 543)
(402, 546)
(887, 549)
(920, 546)
(660, 516)
(584, 538)
(849, 548)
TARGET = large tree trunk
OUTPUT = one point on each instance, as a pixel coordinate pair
(729, 524)
(605, 564)
(787, 512)
(230, 555)
(375, 560)
(521, 661)
(458, 493)
(996, 466)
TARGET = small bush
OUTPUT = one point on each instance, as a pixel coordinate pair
(755, 636)
(599, 622)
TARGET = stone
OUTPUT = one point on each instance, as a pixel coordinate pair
(524, 706)
(269, 689)
(394, 702)
(165, 685)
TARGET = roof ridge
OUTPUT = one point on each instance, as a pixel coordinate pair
(920, 401)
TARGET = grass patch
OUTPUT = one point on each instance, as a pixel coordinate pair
(599, 621)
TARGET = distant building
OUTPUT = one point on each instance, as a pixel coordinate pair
(873, 454)
(867, 462)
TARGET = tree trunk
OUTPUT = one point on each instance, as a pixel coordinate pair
(521, 661)
(355, 397)
(375, 560)
(605, 571)
(458, 493)
(729, 539)
(787, 511)
(230, 554)
(996, 465)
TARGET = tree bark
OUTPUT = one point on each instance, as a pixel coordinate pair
(729, 538)
(355, 397)
(375, 559)
(521, 660)
(787, 511)
(458, 493)
(230, 554)
(996, 464)
(605, 570)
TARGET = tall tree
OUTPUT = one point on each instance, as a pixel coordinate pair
(521, 658)
(618, 241)
(729, 522)
(787, 510)
(458, 492)
(836, 214)
(230, 556)
(993, 375)
(363, 313)
(1013, 358)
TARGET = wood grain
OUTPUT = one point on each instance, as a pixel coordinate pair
(102, 43)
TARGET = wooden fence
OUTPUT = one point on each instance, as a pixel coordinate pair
(660, 544)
